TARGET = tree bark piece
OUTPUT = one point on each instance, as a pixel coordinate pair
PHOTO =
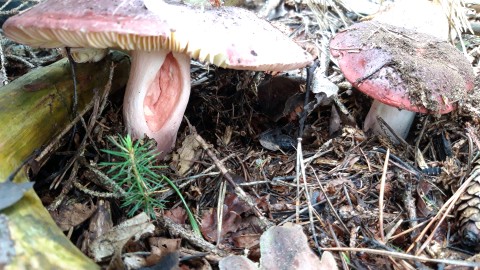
(33, 110)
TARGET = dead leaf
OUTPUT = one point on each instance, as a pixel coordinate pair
(165, 244)
(231, 220)
(235, 204)
(286, 247)
(283, 247)
(236, 262)
(275, 140)
(114, 240)
(208, 227)
(100, 223)
(177, 215)
(423, 189)
(328, 261)
(72, 215)
(246, 240)
(185, 156)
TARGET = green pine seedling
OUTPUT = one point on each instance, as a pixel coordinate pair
(134, 170)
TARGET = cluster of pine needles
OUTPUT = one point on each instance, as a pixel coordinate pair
(135, 171)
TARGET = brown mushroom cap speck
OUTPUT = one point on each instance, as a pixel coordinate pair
(403, 68)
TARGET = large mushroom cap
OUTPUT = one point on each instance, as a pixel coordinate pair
(403, 68)
(227, 37)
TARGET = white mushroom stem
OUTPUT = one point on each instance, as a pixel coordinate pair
(399, 120)
(156, 96)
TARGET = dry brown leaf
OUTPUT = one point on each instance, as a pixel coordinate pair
(236, 262)
(72, 215)
(185, 156)
(208, 227)
(113, 241)
(246, 240)
(286, 247)
(177, 215)
(231, 221)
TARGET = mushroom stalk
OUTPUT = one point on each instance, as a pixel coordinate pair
(156, 96)
(399, 120)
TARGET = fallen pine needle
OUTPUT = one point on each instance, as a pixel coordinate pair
(404, 256)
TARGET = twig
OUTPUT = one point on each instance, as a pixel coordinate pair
(419, 137)
(407, 166)
(221, 201)
(409, 230)
(94, 193)
(20, 59)
(73, 67)
(409, 202)
(382, 194)
(384, 125)
(404, 256)
(330, 202)
(106, 181)
(74, 160)
(240, 193)
(195, 240)
(303, 117)
(300, 168)
(321, 152)
(337, 243)
(3, 70)
(301, 211)
(190, 179)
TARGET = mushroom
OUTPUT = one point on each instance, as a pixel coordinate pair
(162, 41)
(404, 69)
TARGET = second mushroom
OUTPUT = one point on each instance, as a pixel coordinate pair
(405, 70)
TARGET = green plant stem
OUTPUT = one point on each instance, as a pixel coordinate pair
(191, 217)
(140, 183)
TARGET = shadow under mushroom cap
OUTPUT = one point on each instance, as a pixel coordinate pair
(403, 68)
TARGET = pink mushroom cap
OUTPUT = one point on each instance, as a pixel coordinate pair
(228, 37)
(403, 68)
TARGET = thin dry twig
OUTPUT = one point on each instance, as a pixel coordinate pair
(382, 194)
(332, 208)
(239, 191)
(300, 167)
(221, 201)
(404, 256)
(95, 104)
(188, 235)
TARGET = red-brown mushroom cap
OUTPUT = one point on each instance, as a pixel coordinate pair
(403, 68)
(227, 37)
